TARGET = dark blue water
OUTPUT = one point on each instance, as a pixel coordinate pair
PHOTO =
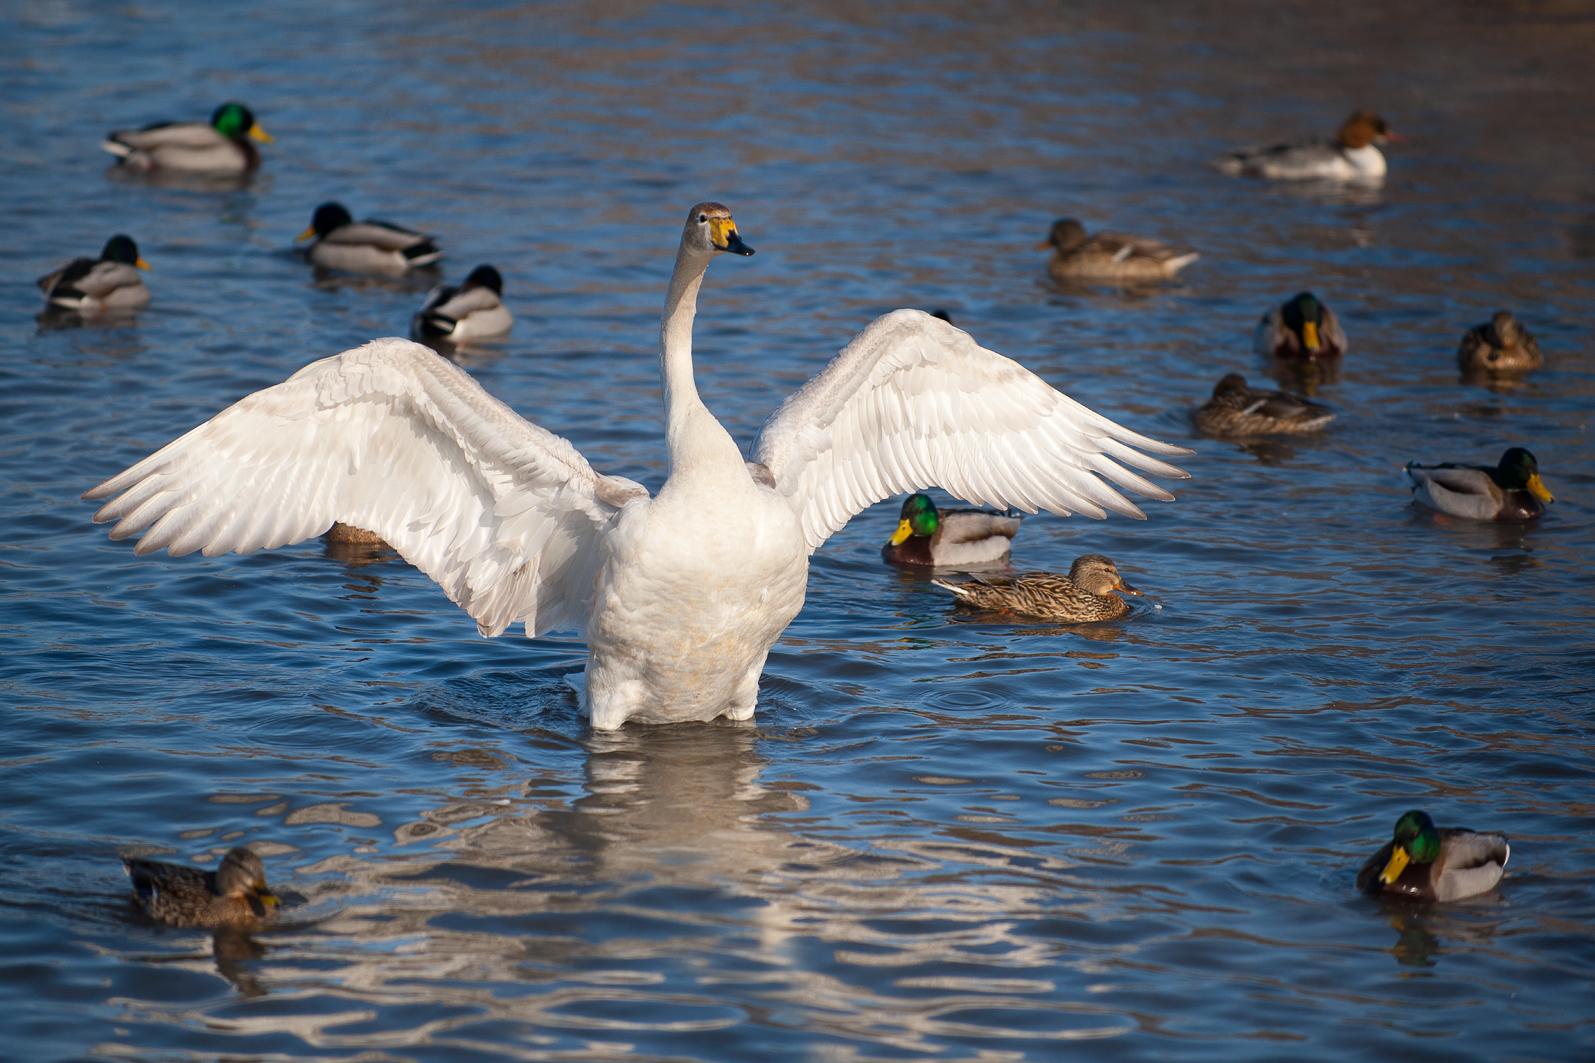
(943, 837)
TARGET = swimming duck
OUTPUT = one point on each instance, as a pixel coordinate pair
(234, 894)
(1109, 256)
(1085, 595)
(928, 536)
(221, 146)
(681, 594)
(1435, 863)
(1300, 328)
(93, 286)
(1238, 410)
(1512, 491)
(472, 311)
(1501, 345)
(1352, 155)
(369, 246)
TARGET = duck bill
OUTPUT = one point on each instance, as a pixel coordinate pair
(1538, 489)
(140, 263)
(307, 234)
(269, 899)
(1309, 335)
(1125, 588)
(1398, 863)
(904, 530)
(257, 133)
(1044, 245)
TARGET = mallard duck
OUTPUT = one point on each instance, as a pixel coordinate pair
(1351, 155)
(221, 147)
(1512, 491)
(107, 284)
(1435, 863)
(928, 536)
(1238, 410)
(1085, 595)
(350, 535)
(234, 894)
(1109, 256)
(472, 311)
(680, 595)
(1300, 328)
(369, 246)
(1501, 345)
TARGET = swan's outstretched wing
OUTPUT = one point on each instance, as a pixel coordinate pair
(913, 402)
(389, 437)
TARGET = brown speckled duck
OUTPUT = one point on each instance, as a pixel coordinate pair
(1511, 491)
(1085, 595)
(1301, 328)
(235, 894)
(1499, 346)
(949, 538)
(1432, 863)
(1239, 410)
(1077, 256)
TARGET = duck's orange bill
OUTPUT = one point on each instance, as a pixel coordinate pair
(1398, 863)
(1538, 489)
(257, 133)
(140, 263)
(310, 230)
(904, 530)
(1309, 335)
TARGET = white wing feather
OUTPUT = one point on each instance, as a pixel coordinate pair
(389, 437)
(914, 402)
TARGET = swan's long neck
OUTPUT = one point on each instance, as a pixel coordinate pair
(695, 439)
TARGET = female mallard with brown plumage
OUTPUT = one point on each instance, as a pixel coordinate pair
(234, 894)
(1300, 328)
(1510, 491)
(1077, 256)
(1238, 410)
(1500, 345)
(1432, 863)
(1085, 595)
(954, 537)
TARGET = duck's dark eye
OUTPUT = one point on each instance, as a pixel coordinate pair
(703, 217)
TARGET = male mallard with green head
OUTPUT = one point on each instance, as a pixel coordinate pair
(1511, 491)
(368, 246)
(234, 894)
(1300, 328)
(1431, 863)
(1239, 410)
(926, 535)
(1090, 592)
(108, 284)
(220, 147)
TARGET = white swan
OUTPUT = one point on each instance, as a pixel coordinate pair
(680, 595)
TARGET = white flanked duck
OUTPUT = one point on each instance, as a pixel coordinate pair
(221, 147)
(1351, 155)
(1429, 863)
(105, 285)
(1301, 328)
(1115, 257)
(459, 315)
(682, 594)
(369, 246)
(1510, 491)
(947, 538)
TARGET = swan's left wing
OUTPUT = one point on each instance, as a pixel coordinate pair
(914, 402)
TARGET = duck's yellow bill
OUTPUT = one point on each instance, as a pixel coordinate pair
(257, 133)
(1538, 489)
(904, 530)
(1398, 863)
(270, 900)
(140, 263)
(1309, 335)
(310, 230)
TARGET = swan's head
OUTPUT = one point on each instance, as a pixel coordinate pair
(710, 228)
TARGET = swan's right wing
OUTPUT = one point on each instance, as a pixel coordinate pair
(389, 437)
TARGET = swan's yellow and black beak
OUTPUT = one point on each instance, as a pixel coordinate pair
(904, 530)
(723, 234)
(1399, 859)
(1538, 489)
(257, 133)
